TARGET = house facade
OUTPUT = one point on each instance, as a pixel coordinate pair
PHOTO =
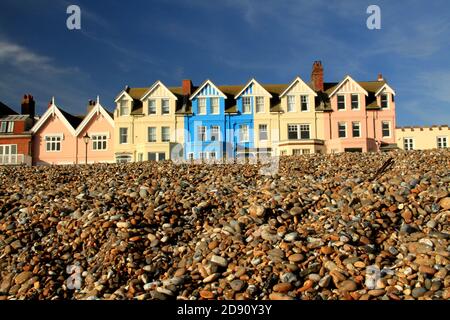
(15, 134)
(423, 138)
(149, 122)
(58, 136)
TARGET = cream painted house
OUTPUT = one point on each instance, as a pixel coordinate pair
(423, 138)
(149, 122)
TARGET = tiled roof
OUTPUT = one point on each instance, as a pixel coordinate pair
(5, 110)
(73, 120)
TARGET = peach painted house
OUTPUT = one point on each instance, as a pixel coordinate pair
(359, 116)
(58, 136)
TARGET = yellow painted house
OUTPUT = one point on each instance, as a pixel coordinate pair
(150, 122)
(423, 138)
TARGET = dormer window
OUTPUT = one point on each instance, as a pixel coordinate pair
(304, 103)
(151, 106)
(124, 110)
(355, 102)
(201, 106)
(384, 101)
(341, 102)
(290, 103)
(165, 106)
(214, 105)
(259, 104)
(246, 104)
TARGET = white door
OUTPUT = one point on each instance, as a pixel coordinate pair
(8, 154)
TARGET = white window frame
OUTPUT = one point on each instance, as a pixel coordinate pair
(165, 111)
(214, 131)
(123, 105)
(149, 135)
(10, 127)
(210, 155)
(358, 100)
(353, 129)
(266, 131)
(190, 156)
(202, 155)
(259, 103)
(304, 99)
(244, 135)
(408, 143)
(246, 105)
(296, 152)
(3, 126)
(201, 133)
(151, 103)
(290, 100)
(99, 139)
(53, 139)
(201, 104)
(214, 106)
(389, 127)
(345, 126)
(299, 129)
(443, 142)
(387, 101)
(163, 139)
(123, 135)
(345, 102)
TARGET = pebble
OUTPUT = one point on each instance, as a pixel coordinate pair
(159, 230)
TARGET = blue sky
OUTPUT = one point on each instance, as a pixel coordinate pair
(136, 43)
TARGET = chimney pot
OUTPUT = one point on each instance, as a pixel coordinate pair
(380, 77)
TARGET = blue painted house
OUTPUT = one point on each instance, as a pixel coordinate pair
(220, 124)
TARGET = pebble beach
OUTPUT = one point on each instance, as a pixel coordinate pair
(353, 226)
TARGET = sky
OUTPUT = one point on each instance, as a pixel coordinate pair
(136, 43)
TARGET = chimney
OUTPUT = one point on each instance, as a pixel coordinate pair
(187, 87)
(91, 105)
(317, 76)
(28, 105)
(380, 77)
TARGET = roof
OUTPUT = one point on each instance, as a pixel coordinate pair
(5, 110)
(73, 120)
(15, 117)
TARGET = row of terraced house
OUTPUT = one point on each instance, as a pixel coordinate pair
(216, 122)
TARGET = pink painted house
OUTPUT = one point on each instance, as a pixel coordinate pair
(58, 136)
(359, 116)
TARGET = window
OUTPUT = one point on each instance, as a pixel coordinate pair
(215, 105)
(386, 129)
(6, 126)
(99, 141)
(259, 104)
(304, 103)
(156, 156)
(123, 135)
(151, 132)
(296, 152)
(356, 129)
(201, 106)
(246, 104)
(165, 106)
(290, 103)
(190, 156)
(121, 158)
(124, 110)
(53, 143)
(212, 155)
(341, 102)
(342, 130)
(201, 133)
(355, 102)
(243, 133)
(151, 106)
(384, 101)
(442, 142)
(165, 134)
(263, 132)
(306, 151)
(214, 133)
(298, 131)
(202, 155)
(408, 143)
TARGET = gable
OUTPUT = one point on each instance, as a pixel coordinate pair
(208, 89)
(158, 90)
(385, 89)
(123, 96)
(92, 116)
(52, 112)
(348, 85)
(298, 86)
(253, 88)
